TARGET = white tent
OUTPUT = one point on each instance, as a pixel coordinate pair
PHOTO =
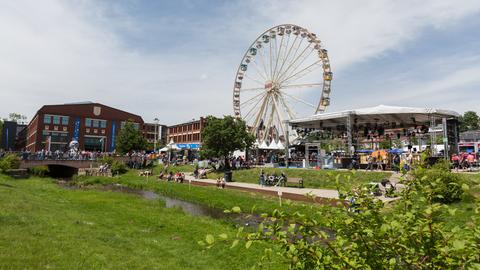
(272, 145)
(280, 145)
(172, 145)
(263, 145)
(164, 149)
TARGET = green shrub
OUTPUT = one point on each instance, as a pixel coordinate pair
(439, 184)
(39, 171)
(107, 160)
(10, 161)
(118, 167)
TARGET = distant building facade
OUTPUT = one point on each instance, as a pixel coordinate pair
(187, 135)
(150, 134)
(11, 139)
(95, 126)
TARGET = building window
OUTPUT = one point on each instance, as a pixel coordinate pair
(88, 122)
(47, 119)
(103, 123)
(56, 120)
(65, 120)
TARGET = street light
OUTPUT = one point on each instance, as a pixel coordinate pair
(156, 130)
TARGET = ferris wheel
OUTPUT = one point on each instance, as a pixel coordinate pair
(280, 74)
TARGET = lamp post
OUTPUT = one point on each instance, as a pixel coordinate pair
(156, 131)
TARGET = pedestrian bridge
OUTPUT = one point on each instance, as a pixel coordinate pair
(77, 164)
(59, 168)
(62, 167)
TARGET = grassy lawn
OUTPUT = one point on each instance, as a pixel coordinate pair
(466, 207)
(205, 195)
(45, 226)
(312, 178)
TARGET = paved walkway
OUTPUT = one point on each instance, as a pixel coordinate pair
(321, 193)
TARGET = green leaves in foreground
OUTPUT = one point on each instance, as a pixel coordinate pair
(411, 233)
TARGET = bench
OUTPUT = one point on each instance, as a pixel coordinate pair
(298, 181)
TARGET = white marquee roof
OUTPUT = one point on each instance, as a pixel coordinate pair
(381, 113)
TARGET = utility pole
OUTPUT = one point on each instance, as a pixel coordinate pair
(156, 131)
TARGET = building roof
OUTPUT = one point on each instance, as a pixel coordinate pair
(381, 113)
(87, 109)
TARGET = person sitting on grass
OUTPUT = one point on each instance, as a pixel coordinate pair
(179, 177)
(196, 173)
(282, 180)
(221, 183)
(202, 173)
(170, 176)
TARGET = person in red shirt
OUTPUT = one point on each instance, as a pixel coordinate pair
(456, 161)
(471, 160)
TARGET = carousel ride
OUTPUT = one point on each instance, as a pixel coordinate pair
(281, 73)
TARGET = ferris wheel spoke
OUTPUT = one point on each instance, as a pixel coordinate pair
(289, 57)
(260, 112)
(250, 99)
(295, 59)
(254, 80)
(305, 71)
(252, 89)
(299, 100)
(257, 70)
(302, 85)
(287, 54)
(263, 60)
(250, 114)
(271, 59)
(289, 111)
(280, 119)
(297, 66)
(296, 63)
(278, 56)
(253, 109)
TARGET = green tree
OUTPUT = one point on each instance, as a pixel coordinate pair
(130, 139)
(222, 136)
(17, 117)
(469, 121)
(1, 130)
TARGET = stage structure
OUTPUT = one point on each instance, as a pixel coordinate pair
(355, 127)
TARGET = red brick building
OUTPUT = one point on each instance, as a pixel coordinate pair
(95, 126)
(189, 133)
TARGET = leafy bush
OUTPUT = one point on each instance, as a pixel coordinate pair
(107, 160)
(411, 234)
(40, 171)
(10, 161)
(118, 167)
(438, 184)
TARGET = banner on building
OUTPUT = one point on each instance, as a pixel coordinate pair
(76, 129)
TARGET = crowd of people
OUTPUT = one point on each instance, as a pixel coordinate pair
(464, 161)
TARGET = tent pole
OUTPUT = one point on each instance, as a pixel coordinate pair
(349, 133)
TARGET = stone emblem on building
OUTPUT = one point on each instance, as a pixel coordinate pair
(97, 110)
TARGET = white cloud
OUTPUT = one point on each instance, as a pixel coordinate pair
(54, 52)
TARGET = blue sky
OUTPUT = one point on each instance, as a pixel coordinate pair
(176, 60)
